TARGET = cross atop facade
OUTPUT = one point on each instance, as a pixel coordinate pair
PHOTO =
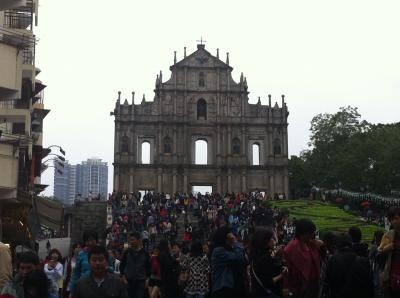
(201, 40)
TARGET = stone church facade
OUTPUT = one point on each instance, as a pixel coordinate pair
(201, 101)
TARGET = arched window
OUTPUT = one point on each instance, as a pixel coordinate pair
(256, 154)
(201, 109)
(146, 153)
(125, 144)
(236, 146)
(202, 82)
(277, 147)
(201, 152)
(167, 145)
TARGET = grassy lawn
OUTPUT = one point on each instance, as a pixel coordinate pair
(327, 217)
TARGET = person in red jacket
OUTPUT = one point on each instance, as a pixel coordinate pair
(303, 260)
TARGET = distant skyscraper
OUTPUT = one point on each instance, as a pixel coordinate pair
(93, 178)
(65, 183)
(89, 177)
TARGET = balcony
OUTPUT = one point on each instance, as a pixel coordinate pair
(20, 17)
(16, 39)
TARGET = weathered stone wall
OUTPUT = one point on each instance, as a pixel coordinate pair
(88, 216)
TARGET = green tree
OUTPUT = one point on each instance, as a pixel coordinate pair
(338, 127)
(298, 177)
(351, 153)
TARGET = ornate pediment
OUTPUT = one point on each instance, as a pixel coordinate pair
(201, 58)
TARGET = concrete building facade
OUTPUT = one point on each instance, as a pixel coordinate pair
(21, 112)
(201, 102)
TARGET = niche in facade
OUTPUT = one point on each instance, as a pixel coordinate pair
(201, 109)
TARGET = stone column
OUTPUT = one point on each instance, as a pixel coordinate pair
(270, 140)
(131, 181)
(244, 147)
(186, 157)
(159, 181)
(174, 140)
(229, 180)
(116, 179)
(219, 186)
(185, 182)
(229, 140)
(285, 140)
(272, 185)
(117, 138)
(174, 183)
(244, 182)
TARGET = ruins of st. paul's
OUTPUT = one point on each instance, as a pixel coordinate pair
(201, 102)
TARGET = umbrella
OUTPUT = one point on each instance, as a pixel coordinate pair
(365, 204)
(339, 200)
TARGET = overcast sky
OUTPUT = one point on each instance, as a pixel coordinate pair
(322, 55)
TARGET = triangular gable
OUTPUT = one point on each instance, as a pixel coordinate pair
(201, 58)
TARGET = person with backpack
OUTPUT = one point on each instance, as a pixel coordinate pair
(348, 275)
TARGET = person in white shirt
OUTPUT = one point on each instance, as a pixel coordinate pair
(54, 271)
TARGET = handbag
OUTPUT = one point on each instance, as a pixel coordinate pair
(268, 292)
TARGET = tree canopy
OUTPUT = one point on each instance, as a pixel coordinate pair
(348, 152)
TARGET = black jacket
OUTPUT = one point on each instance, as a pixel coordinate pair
(266, 268)
(112, 286)
(170, 270)
(135, 265)
(349, 275)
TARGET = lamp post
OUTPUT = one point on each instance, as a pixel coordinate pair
(62, 158)
(57, 160)
(59, 147)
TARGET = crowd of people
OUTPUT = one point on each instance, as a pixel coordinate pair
(213, 245)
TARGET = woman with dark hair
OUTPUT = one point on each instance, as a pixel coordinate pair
(169, 268)
(266, 272)
(197, 268)
(36, 285)
(228, 265)
(302, 256)
(54, 271)
(69, 267)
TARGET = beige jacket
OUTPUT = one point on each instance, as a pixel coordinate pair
(387, 239)
(5, 265)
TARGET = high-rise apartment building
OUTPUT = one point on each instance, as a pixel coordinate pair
(65, 182)
(88, 179)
